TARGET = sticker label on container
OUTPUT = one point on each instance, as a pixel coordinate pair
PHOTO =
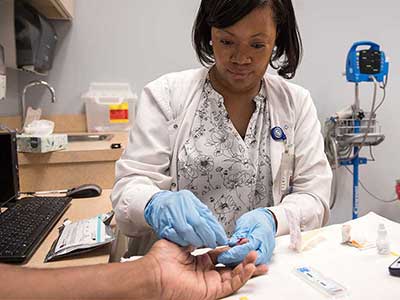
(119, 113)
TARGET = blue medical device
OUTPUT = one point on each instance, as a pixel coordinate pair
(365, 59)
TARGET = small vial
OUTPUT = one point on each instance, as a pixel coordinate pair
(382, 242)
(346, 230)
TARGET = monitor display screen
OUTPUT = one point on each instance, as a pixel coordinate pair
(9, 183)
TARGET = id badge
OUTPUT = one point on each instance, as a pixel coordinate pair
(287, 167)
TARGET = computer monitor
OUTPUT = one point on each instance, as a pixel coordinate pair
(9, 179)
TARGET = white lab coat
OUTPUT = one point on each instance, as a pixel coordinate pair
(164, 116)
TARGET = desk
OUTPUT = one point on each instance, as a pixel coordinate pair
(79, 209)
(364, 273)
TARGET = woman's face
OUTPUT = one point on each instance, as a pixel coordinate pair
(242, 51)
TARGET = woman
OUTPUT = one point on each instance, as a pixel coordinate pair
(228, 144)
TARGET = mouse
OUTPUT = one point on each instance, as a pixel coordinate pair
(84, 191)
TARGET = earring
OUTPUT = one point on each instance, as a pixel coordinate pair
(211, 43)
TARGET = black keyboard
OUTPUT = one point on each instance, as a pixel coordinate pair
(24, 226)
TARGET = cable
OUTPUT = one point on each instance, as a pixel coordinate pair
(5, 128)
(371, 194)
(371, 154)
(383, 99)
(334, 194)
(384, 92)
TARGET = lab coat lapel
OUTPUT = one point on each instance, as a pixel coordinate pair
(277, 147)
(279, 116)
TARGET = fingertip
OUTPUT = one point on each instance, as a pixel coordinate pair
(261, 269)
(251, 257)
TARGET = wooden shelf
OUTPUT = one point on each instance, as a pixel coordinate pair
(55, 9)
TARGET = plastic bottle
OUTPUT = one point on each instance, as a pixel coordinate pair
(382, 241)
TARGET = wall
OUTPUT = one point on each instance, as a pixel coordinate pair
(9, 106)
(112, 41)
(136, 41)
(329, 28)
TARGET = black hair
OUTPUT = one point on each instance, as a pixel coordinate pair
(288, 50)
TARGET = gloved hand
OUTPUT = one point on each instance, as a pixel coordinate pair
(183, 219)
(258, 227)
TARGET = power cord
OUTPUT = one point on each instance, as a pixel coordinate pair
(371, 194)
(5, 128)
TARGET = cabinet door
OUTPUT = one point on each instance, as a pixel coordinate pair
(55, 9)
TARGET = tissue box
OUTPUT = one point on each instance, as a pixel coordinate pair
(41, 144)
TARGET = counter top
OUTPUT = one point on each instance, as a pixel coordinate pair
(76, 152)
(363, 273)
(79, 209)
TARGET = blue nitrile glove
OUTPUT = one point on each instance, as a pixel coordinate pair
(258, 226)
(183, 219)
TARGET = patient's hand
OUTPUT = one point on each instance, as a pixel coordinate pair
(183, 276)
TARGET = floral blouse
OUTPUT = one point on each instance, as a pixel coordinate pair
(230, 174)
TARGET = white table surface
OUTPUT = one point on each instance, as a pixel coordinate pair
(364, 273)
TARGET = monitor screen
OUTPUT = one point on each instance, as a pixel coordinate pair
(9, 182)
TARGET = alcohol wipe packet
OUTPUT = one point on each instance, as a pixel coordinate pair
(82, 236)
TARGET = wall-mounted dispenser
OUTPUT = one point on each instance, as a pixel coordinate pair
(35, 39)
(29, 39)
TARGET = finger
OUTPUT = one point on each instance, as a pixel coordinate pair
(260, 270)
(171, 235)
(220, 235)
(261, 257)
(205, 233)
(183, 229)
(242, 241)
(227, 273)
(197, 207)
(219, 231)
(230, 286)
(187, 234)
(216, 252)
(235, 255)
(239, 237)
(249, 259)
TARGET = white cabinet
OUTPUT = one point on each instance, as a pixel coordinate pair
(55, 9)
